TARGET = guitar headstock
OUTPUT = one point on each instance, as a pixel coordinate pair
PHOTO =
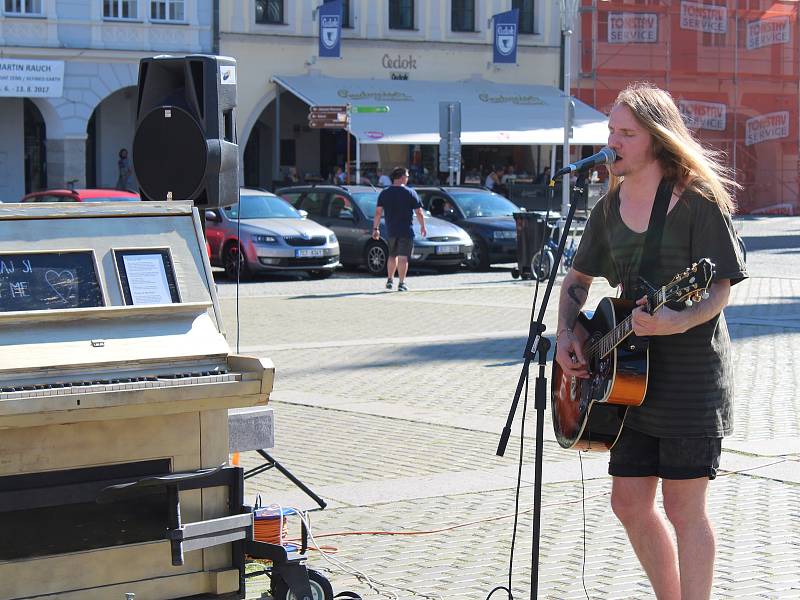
(690, 285)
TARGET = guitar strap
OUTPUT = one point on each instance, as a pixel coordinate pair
(652, 243)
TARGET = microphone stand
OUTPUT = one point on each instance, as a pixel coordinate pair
(537, 345)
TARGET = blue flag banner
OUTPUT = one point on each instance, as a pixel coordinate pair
(330, 29)
(506, 26)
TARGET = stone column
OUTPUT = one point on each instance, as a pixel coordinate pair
(66, 160)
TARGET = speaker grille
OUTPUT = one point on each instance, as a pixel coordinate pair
(170, 154)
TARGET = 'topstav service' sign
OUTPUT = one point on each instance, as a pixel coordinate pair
(704, 17)
(768, 32)
(771, 126)
(632, 28)
(703, 115)
(22, 78)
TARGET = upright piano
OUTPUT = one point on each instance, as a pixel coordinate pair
(115, 384)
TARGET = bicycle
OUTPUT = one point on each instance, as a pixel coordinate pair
(542, 261)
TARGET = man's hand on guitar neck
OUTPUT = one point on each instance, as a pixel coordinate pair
(666, 321)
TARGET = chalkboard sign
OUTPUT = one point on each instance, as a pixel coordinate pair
(48, 281)
(147, 276)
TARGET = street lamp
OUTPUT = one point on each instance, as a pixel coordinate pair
(569, 10)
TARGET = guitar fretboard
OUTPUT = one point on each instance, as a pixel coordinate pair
(624, 328)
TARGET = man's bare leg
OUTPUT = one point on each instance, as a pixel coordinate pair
(633, 501)
(402, 267)
(685, 505)
(391, 267)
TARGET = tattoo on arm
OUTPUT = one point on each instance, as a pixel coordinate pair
(573, 298)
(578, 294)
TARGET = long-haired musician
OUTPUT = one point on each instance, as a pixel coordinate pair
(675, 436)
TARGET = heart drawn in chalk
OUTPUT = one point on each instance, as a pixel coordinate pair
(63, 283)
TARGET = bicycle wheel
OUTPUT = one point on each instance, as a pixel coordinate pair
(542, 264)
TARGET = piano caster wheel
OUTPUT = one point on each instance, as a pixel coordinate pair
(321, 588)
(515, 273)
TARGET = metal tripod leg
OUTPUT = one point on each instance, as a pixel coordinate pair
(272, 463)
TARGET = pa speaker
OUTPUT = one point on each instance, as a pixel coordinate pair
(184, 147)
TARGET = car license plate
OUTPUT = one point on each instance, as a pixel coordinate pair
(446, 249)
(308, 252)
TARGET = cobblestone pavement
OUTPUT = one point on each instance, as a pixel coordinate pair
(390, 405)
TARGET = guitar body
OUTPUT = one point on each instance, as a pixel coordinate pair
(588, 414)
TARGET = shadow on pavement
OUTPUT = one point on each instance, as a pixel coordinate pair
(496, 352)
(755, 320)
(788, 243)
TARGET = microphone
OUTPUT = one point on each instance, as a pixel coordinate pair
(604, 157)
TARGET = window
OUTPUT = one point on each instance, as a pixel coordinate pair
(462, 16)
(337, 205)
(311, 202)
(346, 21)
(269, 12)
(24, 7)
(167, 10)
(526, 21)
(120, 9)
(401, 14)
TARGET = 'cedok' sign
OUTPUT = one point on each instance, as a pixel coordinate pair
(703, 115)
(704, 17)
(20, 78)
(768, 32)
(771, 126)
(632, 28)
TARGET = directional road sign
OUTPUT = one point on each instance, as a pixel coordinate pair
(330, 108)
(371, 109)
(328, 124)
(329, 117)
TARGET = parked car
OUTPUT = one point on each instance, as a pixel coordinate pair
(486, 216)
(81, 195)
(349, 211)
(265, 233)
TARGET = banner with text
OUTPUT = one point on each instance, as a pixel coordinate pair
(704, 17)
(703, 115)
(506, 26)
(20, 78)
(632, 28)
(768, 32)
(330, 29)
(772, 126)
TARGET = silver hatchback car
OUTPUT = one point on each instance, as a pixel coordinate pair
(263, 232)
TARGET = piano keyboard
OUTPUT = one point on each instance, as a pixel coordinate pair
(117, 384)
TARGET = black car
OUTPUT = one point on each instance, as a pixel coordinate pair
(486, 216)
(349, 211)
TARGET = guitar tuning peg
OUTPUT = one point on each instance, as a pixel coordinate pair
(688, 302)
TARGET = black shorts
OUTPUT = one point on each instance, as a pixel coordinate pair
(400, 246)
(637, 454)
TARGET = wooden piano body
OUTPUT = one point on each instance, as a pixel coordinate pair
(113, 366)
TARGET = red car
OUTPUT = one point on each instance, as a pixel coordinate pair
(93, 195)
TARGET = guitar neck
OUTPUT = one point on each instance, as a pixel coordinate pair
(625, 327)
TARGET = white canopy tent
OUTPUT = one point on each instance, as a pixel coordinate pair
(491, 113)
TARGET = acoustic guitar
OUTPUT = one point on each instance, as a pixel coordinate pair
(588, 414)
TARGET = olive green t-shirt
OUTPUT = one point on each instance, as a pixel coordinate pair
(690, 378)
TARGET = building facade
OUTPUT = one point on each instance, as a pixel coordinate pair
(68, 74)
(394, 41)
(733, 66)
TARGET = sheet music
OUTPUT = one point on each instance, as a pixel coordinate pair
(147, 279)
